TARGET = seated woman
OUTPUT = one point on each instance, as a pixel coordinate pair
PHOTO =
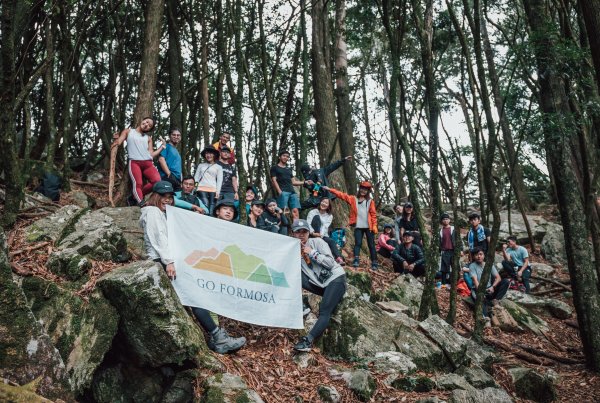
(319, 220)
(255, 218)
(321, 275)
(154, 222)
(274, 218)
(386, 242)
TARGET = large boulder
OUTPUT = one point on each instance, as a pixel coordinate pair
(487, 395)
(541, 306)
(52, 227)
(407, 290)
(553, 245)
(451, 343)
(228, 388)
(537, 224)
(452, 381)
(81, 331)
(155, 325)
(524, 317)
(359, 381)
(359, 329)
(542, 270)
(127, 220)
(531, 385)
(394, 364)
(26, 352)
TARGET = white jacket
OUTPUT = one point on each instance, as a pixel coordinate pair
(154, 223)
(321, 260)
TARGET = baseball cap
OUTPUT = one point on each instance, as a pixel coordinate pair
(300, 224)
(163, 187)
(444, 215)
(408, 205)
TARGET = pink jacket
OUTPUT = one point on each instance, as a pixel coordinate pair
(382, 242)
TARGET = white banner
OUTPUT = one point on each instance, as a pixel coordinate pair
(236, 271)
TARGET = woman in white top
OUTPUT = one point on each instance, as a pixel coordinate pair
(319, 220)
(140, 153)
(209, 177)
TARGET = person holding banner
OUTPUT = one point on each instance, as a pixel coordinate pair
(321, 275)
(154, 222)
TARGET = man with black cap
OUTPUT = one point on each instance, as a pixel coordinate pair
(446, 247)
(315, 179)
(408, 257)
(283, 181)
(321, 275)
(229, 187)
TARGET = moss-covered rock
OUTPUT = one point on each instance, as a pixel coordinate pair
(525, 318)
(531, 385)
(81, 331)
(127, 220)
(21, 394)
(414, 384)
(228, 388)
(453, 344)
(362, 384)
(407, 290)
(69, 264)
(541, 305)
(361, 280)
(54, 226)
(154, 324)
(182, 388)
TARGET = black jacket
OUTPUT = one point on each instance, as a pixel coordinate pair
(319, 178)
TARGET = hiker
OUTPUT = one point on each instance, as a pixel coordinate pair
(446, 248)
(315, 179)
(154, 222)
(225, 210)
(478, 236)
(187, 199)
(274, 218)
(209, 177)
(224, 140)
(319, 220)
(140, 153)
(363, 217)
(321, 275)
(398, 210)
(283, 181)
(169, 160)
(408, 257)
(255, 218)
(516, 261)
(386, 243)
(408, 222)
(496, 287)
(229, 187)
(251, 194)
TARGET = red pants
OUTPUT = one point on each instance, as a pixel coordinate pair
(138, 170)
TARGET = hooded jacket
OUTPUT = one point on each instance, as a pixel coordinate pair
(353, 203)
(156, 241)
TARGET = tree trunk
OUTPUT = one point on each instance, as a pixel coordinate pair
(49, 94)
(590, 10)
(177, 98)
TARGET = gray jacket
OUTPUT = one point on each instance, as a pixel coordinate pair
(322, 263)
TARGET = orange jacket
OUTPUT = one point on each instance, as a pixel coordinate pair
(353, 203)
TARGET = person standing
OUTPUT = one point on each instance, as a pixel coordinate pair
(209, 177)
(478, 236)
(283, 181)
(408, 222)
(516, 261)
(224, 141)
(446, 248)
(140, 154)
(169, 160)
(229, 188)
(363, 217)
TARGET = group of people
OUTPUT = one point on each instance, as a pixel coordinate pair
(213, 190)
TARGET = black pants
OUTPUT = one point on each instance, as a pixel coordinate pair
(358, 238)
(316, 226)
(499, 293)
(386, 252)
(418, 270)
(512, 269)
(332, 296)
(209, 199)
(446, 265)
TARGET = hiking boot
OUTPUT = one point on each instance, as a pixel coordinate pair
(223, 343)
(303, 345)
(374, 266)
(355, 262)
(340, 260)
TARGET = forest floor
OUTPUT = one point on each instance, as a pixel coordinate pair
(266, 362)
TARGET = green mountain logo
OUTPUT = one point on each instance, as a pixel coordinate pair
(233, 262)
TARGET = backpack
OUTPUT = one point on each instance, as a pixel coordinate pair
(339, 237)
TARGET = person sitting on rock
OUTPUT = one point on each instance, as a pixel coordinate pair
(154, 222)
(408, 222)
(319, 220)
(255, 218)
(225, 210)
(478, 235)
(516, 261)
(408, 257)
(496, 287)
(363, 217)
(321, 275)
(274, 218)
(186, 199)
(446, 248)
(386, 243)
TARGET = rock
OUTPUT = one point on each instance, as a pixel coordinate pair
(406, 290)
(182, 388)
(382, 220)
(328, 393)
(127, 219)
(531, 385)
(26, 352)
(359, 329)
(431, 399)
(393, 306)
(388, 210)
(404, 319)
(539, 305)
(25, 393)
(452, 381)
(477, 377)
(524, 317)
(394, 364)
(95, 176)
(69, 264)
(82, 199)
(487, 395)
(154, 323)
(414, 384)
(452, 344)
(502, 319)
(127, 383)
(228, 388)
(82, 332)
(538, 225)
(542, 270)
(553, 245)
(363, 385)
(360, 280)
(51, 228)
(304, 360)
(95, 235)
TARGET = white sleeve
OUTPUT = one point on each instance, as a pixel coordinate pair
(156, 230)
(311, 214)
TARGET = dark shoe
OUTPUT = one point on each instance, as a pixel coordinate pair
(340, 260)
(223, 343)
(355, 262)
(303, 345)
(374, 266)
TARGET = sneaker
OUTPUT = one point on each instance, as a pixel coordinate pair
(355, 262)
(303, 345)
(488, 322)
(374, 266)
(340, 260)
(222, 343)
(305, 309)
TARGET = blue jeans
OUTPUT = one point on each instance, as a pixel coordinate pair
(288, 199)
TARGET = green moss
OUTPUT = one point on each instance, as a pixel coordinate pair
(241, 397)
(213, 395)
(414, 384)
(360, 280)
(70, 227)
(337, 341)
